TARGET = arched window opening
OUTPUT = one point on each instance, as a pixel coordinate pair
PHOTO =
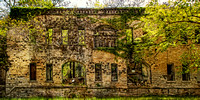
(73, 73)
(105, 36)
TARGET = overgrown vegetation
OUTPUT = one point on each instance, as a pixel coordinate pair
(163, 26)
(175, 24)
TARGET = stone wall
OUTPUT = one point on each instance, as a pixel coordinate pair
(159, 70)
(62, 91)
(22, 53)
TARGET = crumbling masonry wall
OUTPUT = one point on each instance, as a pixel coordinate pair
(22, 53)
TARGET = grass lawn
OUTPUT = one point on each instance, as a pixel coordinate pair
(117, 98)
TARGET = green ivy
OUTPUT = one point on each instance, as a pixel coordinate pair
(26, 12)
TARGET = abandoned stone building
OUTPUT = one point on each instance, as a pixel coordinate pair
(71, 65)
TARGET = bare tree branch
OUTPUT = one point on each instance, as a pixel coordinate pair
(7, 2)
(189, 21)
(14, 3)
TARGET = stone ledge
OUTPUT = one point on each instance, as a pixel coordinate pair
(101, 92)
(90, 11)
(98, 87)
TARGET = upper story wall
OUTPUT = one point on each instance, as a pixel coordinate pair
(59, 27)
(55, 38)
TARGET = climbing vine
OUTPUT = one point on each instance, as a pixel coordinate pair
(129, 47)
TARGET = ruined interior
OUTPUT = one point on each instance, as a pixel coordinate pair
(65, 60)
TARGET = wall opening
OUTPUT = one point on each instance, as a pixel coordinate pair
(114, 69)
(198, 75)
(32, 71)
(81, 37)
(105, 36)
(2, 76)
(64, 36)
(98, 72)
(185, 73)
(49, 36)
(170, 72)
(49, 72)
(73, 73)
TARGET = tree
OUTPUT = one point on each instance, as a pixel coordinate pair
(123, 3)
(5, 7)
(6, 23)
(177, 23)
(35, 3)
(61, 3)
(7, 4)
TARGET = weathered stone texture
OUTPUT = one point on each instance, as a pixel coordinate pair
(21, 54)
(159, 70)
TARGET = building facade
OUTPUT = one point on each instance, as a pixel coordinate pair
(64, 60)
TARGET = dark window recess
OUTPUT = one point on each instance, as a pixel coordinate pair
(105, 36)
(197, 35)
(170, 72)
(184, 38)
(185, 73)
(49, 72)
(114, 75)
(2, 76)
(104, 41)
(33, 71)
(98, 72)
(49, 36)
(198, 75)
(73, 72)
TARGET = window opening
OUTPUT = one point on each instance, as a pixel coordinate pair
(81, 39)
(185, 73)
(33, 71)
(32, 35)
(105, 36)
(49, 36)
(64, 37)
(49, 72)
(129, 36)
(197, 35)
(98, 72)
(73, 73)
(114, 75)
(170, 72)
(198, 75)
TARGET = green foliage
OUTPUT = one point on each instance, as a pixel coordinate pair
(175, 24)
(172, 24)
(190, 59)
(35, 3)
(3, 46)
(128, 47)
(25, 13)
